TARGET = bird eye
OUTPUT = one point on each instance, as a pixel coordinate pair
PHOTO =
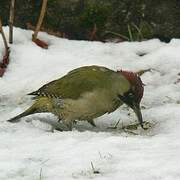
(131, 95)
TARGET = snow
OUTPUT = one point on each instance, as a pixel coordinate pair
(29, 151)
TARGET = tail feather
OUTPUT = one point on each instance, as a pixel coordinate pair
(41, 105)
(33, 93)
(17, 118)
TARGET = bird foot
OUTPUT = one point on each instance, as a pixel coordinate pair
(146, 125)
(130, 127)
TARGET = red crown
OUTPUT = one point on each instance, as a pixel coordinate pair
(136, 83)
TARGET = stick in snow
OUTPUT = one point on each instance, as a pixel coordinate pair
(5, 61)
(11, 21)
(38, 26)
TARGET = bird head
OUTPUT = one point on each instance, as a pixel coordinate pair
(134, 95)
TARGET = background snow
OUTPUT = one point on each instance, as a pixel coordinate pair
(27, 148)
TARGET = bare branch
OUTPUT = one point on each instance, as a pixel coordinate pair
(11, 21)
(141, 72)
(93, 33)
(40, 20)
(5, 60)
(3, 36)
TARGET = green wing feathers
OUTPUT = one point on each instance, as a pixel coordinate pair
(77, 82)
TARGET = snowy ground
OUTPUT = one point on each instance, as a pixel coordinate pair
(29, 152)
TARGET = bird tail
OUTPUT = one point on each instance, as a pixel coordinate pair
(41, 105)
(29, 111)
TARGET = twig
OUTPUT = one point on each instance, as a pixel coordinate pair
(117, 123)
(130, 33)
(3, 36)
(117, 34)
(47, 30)
(40, 20)
(141, 72)
(100, 154)
(115, 126)
(93, 33)
(11, 21)
(138, 30)
(94, 171)
(129, 132)
(5, 60)
(40, 174)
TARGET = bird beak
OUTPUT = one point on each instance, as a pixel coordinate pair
(137, 110)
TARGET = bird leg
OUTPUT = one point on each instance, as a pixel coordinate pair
(68, 124)
(59, 119)
(62, 125)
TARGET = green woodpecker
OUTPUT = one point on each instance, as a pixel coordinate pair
(86, 93)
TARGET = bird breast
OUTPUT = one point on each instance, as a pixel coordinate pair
(88, 106)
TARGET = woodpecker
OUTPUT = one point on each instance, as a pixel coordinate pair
(86, 93)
